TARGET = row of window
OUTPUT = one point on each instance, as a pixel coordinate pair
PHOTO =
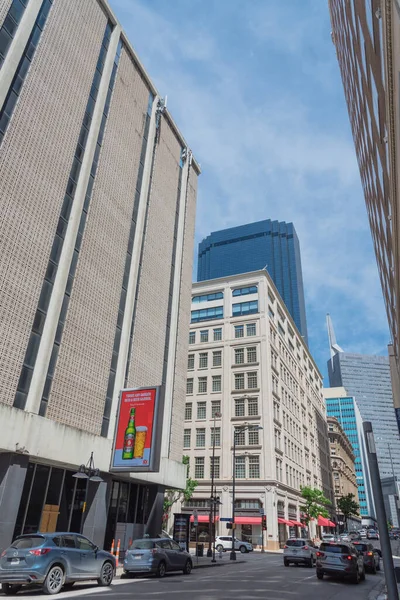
(244, 407)
(245, 308)
(10, 26)
(240, 331)
(252, 289)
(202, 385)
(246, 467)
(248, 437)
(208, 297)
(242, 356)
(217, 312)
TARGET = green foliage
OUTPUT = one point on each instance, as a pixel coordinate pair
(348, 506)
(314, 503)
(172, 496)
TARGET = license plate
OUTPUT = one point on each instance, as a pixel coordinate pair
(138, 556)
(294, 551)
(15, 561)
(333, 559)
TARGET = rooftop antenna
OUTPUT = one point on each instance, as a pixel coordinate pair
(334, 347)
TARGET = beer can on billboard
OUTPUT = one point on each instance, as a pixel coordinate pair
(136, 440)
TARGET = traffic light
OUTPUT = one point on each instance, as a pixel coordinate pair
(264, 522)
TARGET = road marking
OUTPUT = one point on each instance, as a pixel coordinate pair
(78, 591)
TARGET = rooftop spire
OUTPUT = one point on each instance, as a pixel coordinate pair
(334, 348)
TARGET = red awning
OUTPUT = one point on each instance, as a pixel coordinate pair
(298, 523)
(248, 520)
(284, 522)
(332, 524)
(322, 522)
(202, 518)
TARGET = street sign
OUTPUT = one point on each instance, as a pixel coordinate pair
(226, 519)
(261, 511)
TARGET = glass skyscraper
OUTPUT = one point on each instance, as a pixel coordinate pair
(344, 408)
(272, 245)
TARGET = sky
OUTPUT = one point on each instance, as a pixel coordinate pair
(255, 88)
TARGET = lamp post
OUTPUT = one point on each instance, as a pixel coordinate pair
(236, 430)
(212, 497)
(90, 473)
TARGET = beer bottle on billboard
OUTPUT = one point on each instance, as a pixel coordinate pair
(129, 438)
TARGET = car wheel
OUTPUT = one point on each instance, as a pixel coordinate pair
(220, 548)
(310, 563)
(373, 569)
(54, 580)
(378, 566)
(286, 562)
(356, 578)
(161, 569)
(320, 574)
(362, 576)
(243, 549)
(9, 589)
(106, 574)
(188, 567)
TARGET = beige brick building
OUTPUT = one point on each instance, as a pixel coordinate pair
(342, 461)
(97, 208)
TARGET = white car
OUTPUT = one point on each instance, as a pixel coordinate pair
(363, 534)
(224, 543)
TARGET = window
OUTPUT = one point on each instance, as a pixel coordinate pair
(186, 438)
(216, 433)
(203, 360)
(200, 438)
(208, 297)
(240, 467)
(239, 331)
(201, 410)
(190, 362)
(245, 308)
(206, 314)
(202, 385)
(239, 407)
(214, 467)
(254, 467)
(188, 411)
(217, 334)
(252, 407)
(217, 358)
(239, 356)
(252, 354)
(199, 467)
(192, 337)
(216, 383)
(215, 408)
(189, 386)
(253, 436)
(251, 329)
(245, 290)
(252, 380)
(204, 335)
(239, 381)
(240, 436)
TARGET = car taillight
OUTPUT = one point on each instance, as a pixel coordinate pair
(3, 554)
(154, 551)
(39, 551)
(370, 553)
(349, 557)
(320, 553)
(285, 547)
(305, 547)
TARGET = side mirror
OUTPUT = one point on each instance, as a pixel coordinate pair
(96, 549)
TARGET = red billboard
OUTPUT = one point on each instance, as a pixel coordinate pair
(135, 442)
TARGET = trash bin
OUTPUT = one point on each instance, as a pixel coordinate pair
(200, 550)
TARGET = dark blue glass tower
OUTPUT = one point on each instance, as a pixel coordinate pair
(267, 244)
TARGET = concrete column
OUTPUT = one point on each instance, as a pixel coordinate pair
(12, 478)
(271, 510)
(154, 522)
(96, 511)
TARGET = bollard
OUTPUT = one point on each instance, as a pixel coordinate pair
(117, 555)
(112, 547)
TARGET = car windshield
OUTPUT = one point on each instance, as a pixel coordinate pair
(361, 547)
(142, 545)
(28, 542)
(297, 543)
(334, 548)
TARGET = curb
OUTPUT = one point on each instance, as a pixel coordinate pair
(378, 592)
(217, 564)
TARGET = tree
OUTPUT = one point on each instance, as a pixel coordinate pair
(314, 503)
(348, 507)
(172, 496)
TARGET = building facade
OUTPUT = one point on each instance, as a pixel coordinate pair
(342, 462)
(270, 245)
(97, 203)
(248, 363)
(367, 41)
(344, 409)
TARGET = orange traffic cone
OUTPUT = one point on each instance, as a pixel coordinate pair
(112, 547)
(117, 555)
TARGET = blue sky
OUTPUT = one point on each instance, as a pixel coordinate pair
(254, 86)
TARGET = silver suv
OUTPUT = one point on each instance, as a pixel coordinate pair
(339, 558)
(224, 542)
(298, 550)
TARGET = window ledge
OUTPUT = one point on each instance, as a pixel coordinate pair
(245, 364)
(246, 391)
(278, 451)
(246, 417)
(247, 447)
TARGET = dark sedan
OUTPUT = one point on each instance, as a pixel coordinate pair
(53, 560)
(371, 556)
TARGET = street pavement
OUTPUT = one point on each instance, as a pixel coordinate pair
(253, 577)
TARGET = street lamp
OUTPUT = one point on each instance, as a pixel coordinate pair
(90, 473)
(213, 499)
(236, 430)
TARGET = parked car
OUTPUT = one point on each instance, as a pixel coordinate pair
(340, 559)
(372, 561)
(224, 543)
(372, 534)
(156, 556)
(329, 537)
(53, 560)
(299, 551)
